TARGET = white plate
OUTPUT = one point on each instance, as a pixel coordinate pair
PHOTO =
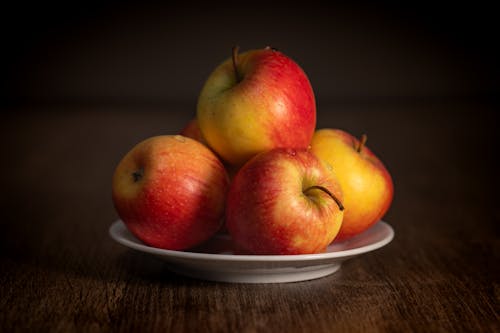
(216, 262)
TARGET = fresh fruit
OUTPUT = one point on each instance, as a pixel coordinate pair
(254, 102)
(284, 201)
(192, 130)
(366, 184)
(170, 192)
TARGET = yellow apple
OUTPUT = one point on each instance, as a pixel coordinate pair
(256, 101)
(366, 183)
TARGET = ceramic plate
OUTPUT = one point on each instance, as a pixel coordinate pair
(215, 261)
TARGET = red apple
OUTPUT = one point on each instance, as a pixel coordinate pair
(192, 130)
(284, 201)
(170, 192)
(254, 102)
(366, 184)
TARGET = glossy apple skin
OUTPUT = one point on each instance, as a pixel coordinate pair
(272, 106)
(366, 183)
(179, 200)
(268, 212)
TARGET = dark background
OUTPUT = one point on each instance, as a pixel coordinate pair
(84, 81)
(152, 52)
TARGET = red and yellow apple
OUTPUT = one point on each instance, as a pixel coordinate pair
(366, 183)
(256, 101)
(170, 192)
(284, 201)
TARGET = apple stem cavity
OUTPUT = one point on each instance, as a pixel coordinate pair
(137, 175)
(362, 142)
(236, 48)
(327, 191)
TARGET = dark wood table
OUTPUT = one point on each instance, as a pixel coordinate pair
(60, 271)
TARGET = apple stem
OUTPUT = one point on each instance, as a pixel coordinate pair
(324, 189)
(236, 48)
(137, 175)
(362, 142)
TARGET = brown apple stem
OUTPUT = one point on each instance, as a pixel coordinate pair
(236, 48)
(362, 142)
(324, 189)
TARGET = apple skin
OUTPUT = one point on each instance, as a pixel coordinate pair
(192, 130)
(267, 211)
(170, 192)
(366, 183)
(272, 106)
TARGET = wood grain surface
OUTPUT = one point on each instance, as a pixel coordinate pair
(61, 272)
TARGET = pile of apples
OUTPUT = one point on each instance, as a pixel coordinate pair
(252, 164)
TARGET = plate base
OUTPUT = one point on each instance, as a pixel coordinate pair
(220, 264)
(258, 275)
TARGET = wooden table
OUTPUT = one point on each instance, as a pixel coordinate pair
(60, 271)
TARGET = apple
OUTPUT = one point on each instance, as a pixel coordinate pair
(366, 183)
(170, 192)
(192, 130)
(256, 101)
(284, 201)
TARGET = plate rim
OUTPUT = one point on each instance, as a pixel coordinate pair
(118, 226)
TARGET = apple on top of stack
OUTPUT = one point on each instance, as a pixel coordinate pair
(251, 163)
